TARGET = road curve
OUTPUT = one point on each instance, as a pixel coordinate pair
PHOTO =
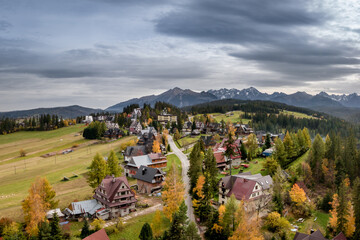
(185, 166)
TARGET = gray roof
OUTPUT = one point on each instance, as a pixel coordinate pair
(88, 206)
(147, 174)
(137, 161)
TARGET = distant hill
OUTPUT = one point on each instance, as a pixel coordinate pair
(65, 112)
(176, 96)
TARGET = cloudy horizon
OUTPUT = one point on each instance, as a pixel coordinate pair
(98, 53)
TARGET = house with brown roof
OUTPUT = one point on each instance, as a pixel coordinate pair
(254, 190)
(116, 197)
(99, 235)
(135, 127)
(149, 180)
(316, 235)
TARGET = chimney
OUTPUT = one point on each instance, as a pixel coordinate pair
(312, 231)
(114, 179)
(143, 171)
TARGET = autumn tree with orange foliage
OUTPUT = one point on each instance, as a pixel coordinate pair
(37, 203)
(247, 229)
(297, 195)
(173, 193)
(156, 147)
(201, 198)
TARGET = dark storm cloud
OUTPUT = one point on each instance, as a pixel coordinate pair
(274, 34)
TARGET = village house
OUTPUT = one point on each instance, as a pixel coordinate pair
(209, 141)
(164, 118)
(243, 129)
(116, 197)
(316, 235)
(133, 151)
(99, 235)
(82, 209)
(149, 180)
(135, 127)
(136, 114)
(153, 160)
(113, 133)
(254, 190)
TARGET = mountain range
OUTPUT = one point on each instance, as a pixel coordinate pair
(343, 106)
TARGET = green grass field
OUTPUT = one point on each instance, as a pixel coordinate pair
(294, 165)
(187, 141)
(254, 168)
(16, 175)
(235, 118)
(298, 115)
(133, 227)
(173, 159)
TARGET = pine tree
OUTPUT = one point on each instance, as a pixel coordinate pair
(307, 138)
(146, 232)
(280, 154)
(317, 153)
(55, 228)
(113, 165)
(229, 220)
(267, 141)
(350, 157)
(301, 141)
(195, 167)
(44, 231)
(328, 147)
(356, 203)
(98, 171)
(191, 232)
(85, 231)
(178, 224)
(210, 171)
(243, 152)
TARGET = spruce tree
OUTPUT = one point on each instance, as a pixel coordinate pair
(243, 151)
(280, 154)
(356, 204)
(178, 224)
(210, 171)
(317, 153)
(192, 232)
(55, 228)
(44, 231)
(85, 231)
(146, 232)
(267, 141)
(195, 167)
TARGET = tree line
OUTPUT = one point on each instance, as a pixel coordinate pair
(44, 122)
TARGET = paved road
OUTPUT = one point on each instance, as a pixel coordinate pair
(185, 166)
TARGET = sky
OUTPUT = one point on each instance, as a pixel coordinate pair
(97, 53)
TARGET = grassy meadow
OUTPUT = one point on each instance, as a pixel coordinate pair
(17, 173)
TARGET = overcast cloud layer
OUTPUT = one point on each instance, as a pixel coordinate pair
(97, 53)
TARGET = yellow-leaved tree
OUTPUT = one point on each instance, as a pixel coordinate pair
(173, 193)
(247, 229)
(156, 224)
(297, 195)
(333, 212)
(37, 203)
(156, 147)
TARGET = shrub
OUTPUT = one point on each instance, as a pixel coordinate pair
(22, 153)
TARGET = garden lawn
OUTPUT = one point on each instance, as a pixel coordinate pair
(133, 227)
(254, 168)
(294, 165)
(173, 159)
(187, 141)
(16, 177)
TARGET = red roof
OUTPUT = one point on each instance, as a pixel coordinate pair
(99, 235)
(242, 189)
(341, 236)
(220, 158)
